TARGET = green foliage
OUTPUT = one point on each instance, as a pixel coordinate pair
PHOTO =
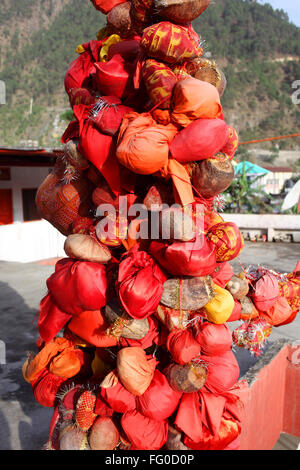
(243, 197)
(237, 29)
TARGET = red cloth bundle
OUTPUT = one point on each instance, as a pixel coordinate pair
(222, 274)
(81, 96)
(236, 314)
(278, 314)
(46, 389)
(266, 292)
(171, 43)
(228, 240)
(228, 433)
(140, 284)
(144, 433)
(91, 326)
(160, 400)
(200, 417)
(141, 12)
(200, 140)
(214, 339)
(107, 114)
(185, 258)
(129, 49)
(80, 71)
(223, 372)
(183, 346)
(115, 77)
(106, 5)
(77, 286)
(152, 337)
(51, 319)
(98, 148)
(159, 81)
(117, 396)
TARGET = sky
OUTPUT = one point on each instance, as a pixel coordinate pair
(291, 7)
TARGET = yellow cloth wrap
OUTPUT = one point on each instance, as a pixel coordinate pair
(80, 49)
(113, 39)
(220, 308)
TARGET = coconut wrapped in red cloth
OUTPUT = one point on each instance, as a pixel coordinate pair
(97, 148)
(52, 356)
(77, 286)
(159, 81)
(265, 292)
(144, 433)
(152, 337)
(171, 43)
(228, 240)
(222, 274)
(140, 283)
(278, 314)
(107, 114)
(223, 372)
(213, 339)
(141, 11)
(135, 369)
(92, 327)
(159, 401)
(51, 319)
(182, 346)
(201, 417)
(196, 258)
(200, 140)
(115, 395)
(81, 71)
(46, 389)
(194, 99)
(115, 77)
(139, 135)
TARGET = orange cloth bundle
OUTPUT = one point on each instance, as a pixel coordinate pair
(135, 369)
(92, 327)
(279, 313)
(193, 99)
(159, 81)
(171, 43)
(143, 145)
(58, 356)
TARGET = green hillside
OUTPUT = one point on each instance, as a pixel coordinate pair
(258, 48)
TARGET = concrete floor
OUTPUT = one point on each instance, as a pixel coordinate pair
(24, 423)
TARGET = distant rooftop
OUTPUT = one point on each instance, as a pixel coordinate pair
(18, 156)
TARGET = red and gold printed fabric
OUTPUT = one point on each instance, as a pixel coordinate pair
(228, 240)
(171, 43)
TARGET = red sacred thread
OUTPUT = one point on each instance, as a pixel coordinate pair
(268, 139)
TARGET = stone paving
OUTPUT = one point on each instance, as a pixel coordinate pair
(24, 423)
